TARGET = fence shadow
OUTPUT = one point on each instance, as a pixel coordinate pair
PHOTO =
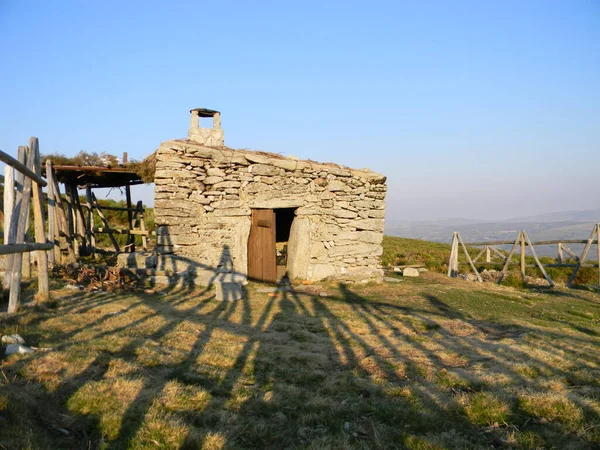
(288, 369)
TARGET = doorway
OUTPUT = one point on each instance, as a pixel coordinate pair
(268, 243)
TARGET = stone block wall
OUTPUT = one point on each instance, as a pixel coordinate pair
(204, 197)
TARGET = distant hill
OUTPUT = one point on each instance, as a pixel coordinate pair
(560, 225)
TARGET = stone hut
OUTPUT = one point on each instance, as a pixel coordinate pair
(261, 215)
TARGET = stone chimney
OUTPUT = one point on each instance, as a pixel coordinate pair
(211, 137)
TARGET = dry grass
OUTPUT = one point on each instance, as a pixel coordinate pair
(424, 364)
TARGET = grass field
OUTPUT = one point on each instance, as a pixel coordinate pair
(424, 363)
(434, 256)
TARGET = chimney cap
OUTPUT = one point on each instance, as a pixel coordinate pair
(203, 112)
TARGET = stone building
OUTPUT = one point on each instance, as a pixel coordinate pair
(260, 215)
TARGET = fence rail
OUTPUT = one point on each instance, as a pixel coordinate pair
(523, 242)
(22, 182)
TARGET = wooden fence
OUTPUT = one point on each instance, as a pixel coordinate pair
(489, 252)
(22, 180)
(72, 223)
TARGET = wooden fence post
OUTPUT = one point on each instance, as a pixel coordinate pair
(106, 224)
(38, 216)
(54, 255)
(469, 260)
(559, 253)
(90, 220)
(140, 208)
(14, 300)
(523, 254)
(598, 249)
(14, 216)
(583, 255)
(488, 256)
(9, 204)
(537, 261)
(504, 270)
(453, 261)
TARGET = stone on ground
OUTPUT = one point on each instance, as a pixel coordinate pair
(13, 339)
(17, 348)
(410, 272)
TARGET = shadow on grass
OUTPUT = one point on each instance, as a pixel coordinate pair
(296, 370)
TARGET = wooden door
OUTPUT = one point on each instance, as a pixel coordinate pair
(262, 255)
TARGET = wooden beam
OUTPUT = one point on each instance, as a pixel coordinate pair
(453, 261)
(469, 258)
(537, 261)
(598, 249)
(106, 225)
(583, 256)
(564, 241)
(22, 168)
(9, 205)
(570, 252)
(522, 254)
(103, 230)
(480, 254)
(14, 299)
(54, 255)
(140, 208)
(38, 217)
(496, 252)
(25, 247)
(90, 220)
(507, 261)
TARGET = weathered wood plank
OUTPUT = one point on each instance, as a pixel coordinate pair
(9, 206)
(14, 299)
(25, 247)
(22, 168)
(537, 261)
(504, 270)
(106, 224)
(583, 256)
(90, 220)
(469, 259)
(38, 217)
(54, 255)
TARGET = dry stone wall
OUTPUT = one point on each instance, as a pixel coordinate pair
(203, 202)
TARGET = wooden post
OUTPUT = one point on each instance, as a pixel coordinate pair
(140, 208)
(488, 256)
(559, 253)
(469, 258)
(70, 221)
(569, 252)
(79, 220)
(535, 257)
(523, 254)
(131, 237)
(583, 255)
(90, 220)
(598, 249)
(105, 222)
(38, 215)
(9, 198)
(62, 222)
(9, 205)
(14, 300)
(54, 255)
(453, 261)
(14, 219)
(507, 262)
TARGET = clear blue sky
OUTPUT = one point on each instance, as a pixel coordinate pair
(472, 109)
